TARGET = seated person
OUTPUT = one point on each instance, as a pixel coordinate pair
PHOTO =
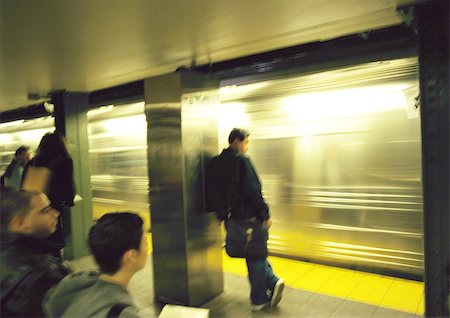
(28, 268)
(119, 246)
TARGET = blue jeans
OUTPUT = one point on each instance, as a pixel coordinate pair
(262, 278)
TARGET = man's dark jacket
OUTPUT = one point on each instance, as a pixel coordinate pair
(27, 271)
(231, 175)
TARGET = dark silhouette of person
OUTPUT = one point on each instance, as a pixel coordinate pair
(53, 153)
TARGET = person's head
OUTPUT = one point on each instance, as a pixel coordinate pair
(23, 154)
(52, 145)
(238, 139)
(117, 241)
(27, 213)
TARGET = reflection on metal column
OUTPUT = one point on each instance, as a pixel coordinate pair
(182, 133)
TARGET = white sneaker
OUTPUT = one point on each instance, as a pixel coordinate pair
(277, 293)
(259, 307)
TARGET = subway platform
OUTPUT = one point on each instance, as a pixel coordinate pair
(311, 291)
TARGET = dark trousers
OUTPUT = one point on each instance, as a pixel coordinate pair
(262, 279)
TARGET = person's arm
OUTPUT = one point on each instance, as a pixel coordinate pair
(252, 191)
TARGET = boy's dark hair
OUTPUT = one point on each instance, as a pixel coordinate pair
(238, 133)
(13, 203)
(113, 235)
(21, 150)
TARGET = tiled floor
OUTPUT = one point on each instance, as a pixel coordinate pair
(233, 302)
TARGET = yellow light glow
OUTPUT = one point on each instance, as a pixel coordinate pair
(130, 125)
(233, 114)
(344, 103)
(34, 134)
(233, 91)
(12, 123)
(5, 139)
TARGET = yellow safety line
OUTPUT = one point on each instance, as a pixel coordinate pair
(383, 291)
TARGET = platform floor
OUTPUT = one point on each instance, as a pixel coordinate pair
(311, 291)
(378, 290)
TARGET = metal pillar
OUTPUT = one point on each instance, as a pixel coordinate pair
(182, 135)
(71, 121)
(432, 21)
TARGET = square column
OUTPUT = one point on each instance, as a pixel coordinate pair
(432, 21)
(182, 137)
(71, 121)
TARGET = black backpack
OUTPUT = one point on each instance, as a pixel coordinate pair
(223, 185)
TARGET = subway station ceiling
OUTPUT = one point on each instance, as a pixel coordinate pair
(85, 45)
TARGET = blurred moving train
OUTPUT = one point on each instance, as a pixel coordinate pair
(338, 153)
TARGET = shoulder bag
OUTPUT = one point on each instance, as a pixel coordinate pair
(39, 178)
(246, 239)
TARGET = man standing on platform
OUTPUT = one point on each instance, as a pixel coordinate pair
(234, 192)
